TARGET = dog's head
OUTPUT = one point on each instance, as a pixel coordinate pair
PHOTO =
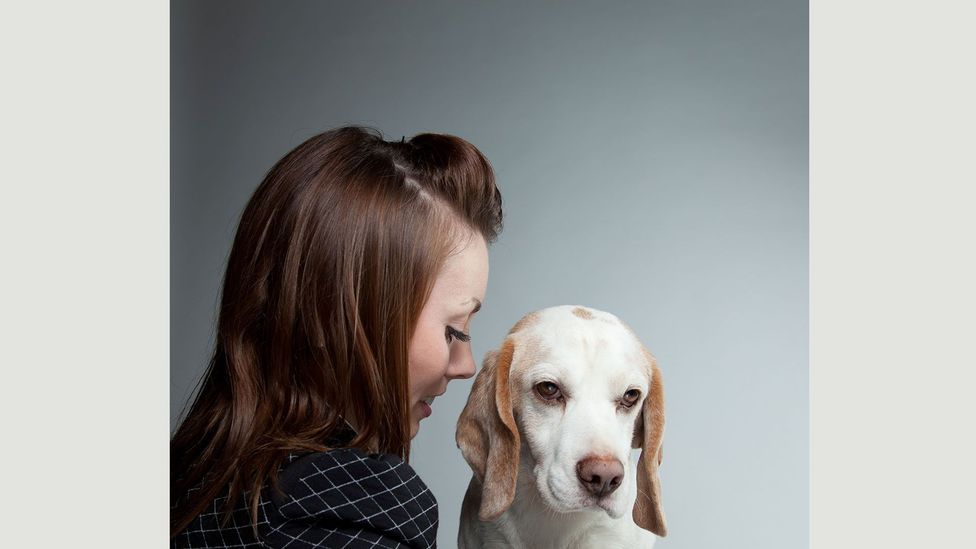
(580, 390)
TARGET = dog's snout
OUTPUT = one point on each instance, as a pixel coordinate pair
(599, 475)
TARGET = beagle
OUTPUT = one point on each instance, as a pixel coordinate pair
(548, 431)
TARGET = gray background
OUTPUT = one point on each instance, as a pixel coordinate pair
(652, 158)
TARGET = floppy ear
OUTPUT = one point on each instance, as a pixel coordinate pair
(487, 434)
(648, 509)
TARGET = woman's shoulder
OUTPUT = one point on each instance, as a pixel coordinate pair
(340, 498)
(337, 460)
(373, 492)
(349, 479)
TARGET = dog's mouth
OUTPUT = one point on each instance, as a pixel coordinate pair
(588, 503)
(606, 503)
(576, 502)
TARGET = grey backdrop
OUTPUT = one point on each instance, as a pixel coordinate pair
(652, 158)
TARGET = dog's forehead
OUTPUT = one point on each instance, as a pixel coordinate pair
(583, 339)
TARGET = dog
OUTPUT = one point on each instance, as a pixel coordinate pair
(548, 431)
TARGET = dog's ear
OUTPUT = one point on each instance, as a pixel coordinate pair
(487, 434)
(648, 509)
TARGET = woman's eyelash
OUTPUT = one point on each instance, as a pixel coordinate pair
(460, 336)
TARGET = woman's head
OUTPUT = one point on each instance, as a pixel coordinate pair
(349, 248)
(439, 350)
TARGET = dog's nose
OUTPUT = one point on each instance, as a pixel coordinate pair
(600, 476)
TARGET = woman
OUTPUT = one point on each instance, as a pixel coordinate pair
(355, 271)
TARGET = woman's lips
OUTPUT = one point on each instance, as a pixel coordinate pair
(425, 406)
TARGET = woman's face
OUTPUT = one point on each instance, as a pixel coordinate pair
(438, 352)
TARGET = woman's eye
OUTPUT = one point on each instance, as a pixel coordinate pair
(630, 398)
(548, 390)
(452, 334)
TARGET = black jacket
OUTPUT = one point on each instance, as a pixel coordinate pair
(340, 498)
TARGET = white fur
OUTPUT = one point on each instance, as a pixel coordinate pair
(594, 362)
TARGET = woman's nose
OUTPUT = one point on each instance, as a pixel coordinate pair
(464, 366)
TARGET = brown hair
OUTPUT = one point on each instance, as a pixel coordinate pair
(335, 255)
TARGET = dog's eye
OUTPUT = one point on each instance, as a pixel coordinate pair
(548, 390)
(630, 398)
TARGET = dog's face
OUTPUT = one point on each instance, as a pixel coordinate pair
(577, 403)
(577, 386)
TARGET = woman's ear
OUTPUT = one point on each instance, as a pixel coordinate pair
(487, 434)
(648, 509)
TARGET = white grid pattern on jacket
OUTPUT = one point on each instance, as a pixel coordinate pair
(341, 498)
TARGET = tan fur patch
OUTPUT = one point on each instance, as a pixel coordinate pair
(526, 321)
(530, 351)
(503, 394)
(649, 509)
(583, 313)
(487, 434)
